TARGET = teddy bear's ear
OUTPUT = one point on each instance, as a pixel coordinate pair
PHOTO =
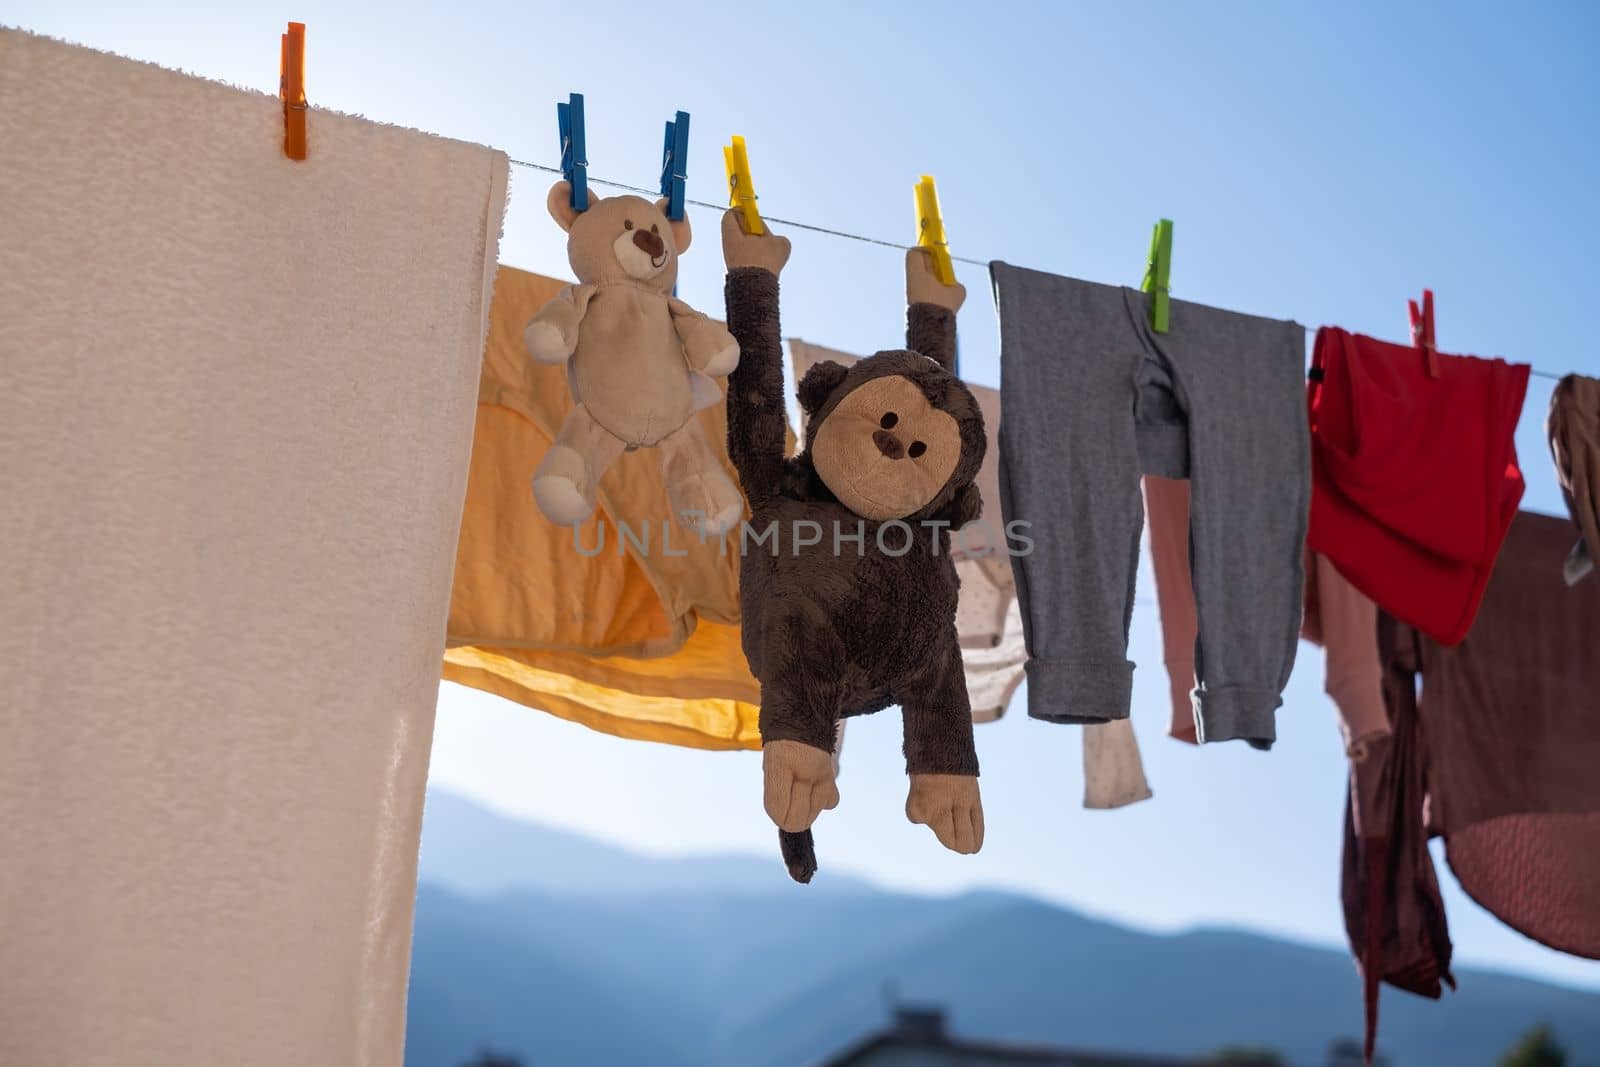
(681, 234)
(819, 383)
(966, 506)
(560, 204)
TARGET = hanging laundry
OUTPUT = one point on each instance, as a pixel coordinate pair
(236, 409)
(1513, 742)
(1573, 427)
(1113, 770)
(1393, 911)
(988, 621)
(996, 669)
(1093, 397)
(1166, 509)
(1338, 617)
(1505, 741)
(1415, 476)
(627, 623)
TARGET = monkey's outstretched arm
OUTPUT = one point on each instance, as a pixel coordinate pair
(938, 716)
(931, 308)
(756, 416)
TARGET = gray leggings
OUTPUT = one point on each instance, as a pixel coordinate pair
(1090, 398)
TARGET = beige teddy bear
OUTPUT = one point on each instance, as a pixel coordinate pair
(640, 363)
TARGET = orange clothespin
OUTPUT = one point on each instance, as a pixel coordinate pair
(1422, 336)
(292, 89)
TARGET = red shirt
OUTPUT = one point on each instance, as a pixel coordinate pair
(1414, 478)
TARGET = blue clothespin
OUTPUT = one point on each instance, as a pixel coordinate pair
(574, 155)
(675, 165)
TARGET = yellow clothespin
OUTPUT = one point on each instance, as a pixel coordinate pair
(292, 89)
(930, 231)
(741, 190)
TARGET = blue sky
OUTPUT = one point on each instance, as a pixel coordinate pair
(1322, 163)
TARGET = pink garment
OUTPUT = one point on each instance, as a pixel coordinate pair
(1338, 617)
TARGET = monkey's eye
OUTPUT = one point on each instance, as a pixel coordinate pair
(627, 224)
(888, 420)
(917, 448)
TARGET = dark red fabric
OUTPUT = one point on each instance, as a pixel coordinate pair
(1393, 911)
(1414, 478)
(1512, 721)
(1537, 873)
(1499, 755)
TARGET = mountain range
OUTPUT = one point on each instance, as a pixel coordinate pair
(567, 952)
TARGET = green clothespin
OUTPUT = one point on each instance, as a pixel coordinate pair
(1158, 275)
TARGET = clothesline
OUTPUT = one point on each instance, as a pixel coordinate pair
(642, 191)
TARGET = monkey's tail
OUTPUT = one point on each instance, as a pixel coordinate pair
(799, 854)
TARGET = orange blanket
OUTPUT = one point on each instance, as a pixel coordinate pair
(628, 624)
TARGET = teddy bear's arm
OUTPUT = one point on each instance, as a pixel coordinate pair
(707, 343)
(552, 334)
(938, 715)
(931, 308)
(756, 414)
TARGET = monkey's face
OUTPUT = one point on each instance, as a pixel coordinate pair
(885, 451)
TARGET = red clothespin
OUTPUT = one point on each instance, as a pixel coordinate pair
(1422, 336)
(292, 89)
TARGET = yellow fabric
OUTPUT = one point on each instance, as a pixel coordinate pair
(637, 642)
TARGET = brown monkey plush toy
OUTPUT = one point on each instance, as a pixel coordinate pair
(847, 588)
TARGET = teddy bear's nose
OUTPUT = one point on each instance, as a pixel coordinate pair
(888, 444)
(651, 243)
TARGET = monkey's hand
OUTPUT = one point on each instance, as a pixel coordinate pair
(799, 783)
(739, 249)
(923, 285)
(949, 805)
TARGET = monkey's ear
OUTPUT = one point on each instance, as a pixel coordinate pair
(966, 506)
(819, 383)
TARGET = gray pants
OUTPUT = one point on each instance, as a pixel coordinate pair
(1090, 398)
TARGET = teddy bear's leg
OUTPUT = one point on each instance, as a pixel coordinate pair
(565, 482)
(702, 496)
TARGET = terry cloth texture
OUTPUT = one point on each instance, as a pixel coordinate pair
(1573, 427)
(1415, 477)
(236, 399)
(1093, 397)
(1338, 616)
(988, 621)
(627, 623)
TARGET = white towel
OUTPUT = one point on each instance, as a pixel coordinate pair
(236, 408)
